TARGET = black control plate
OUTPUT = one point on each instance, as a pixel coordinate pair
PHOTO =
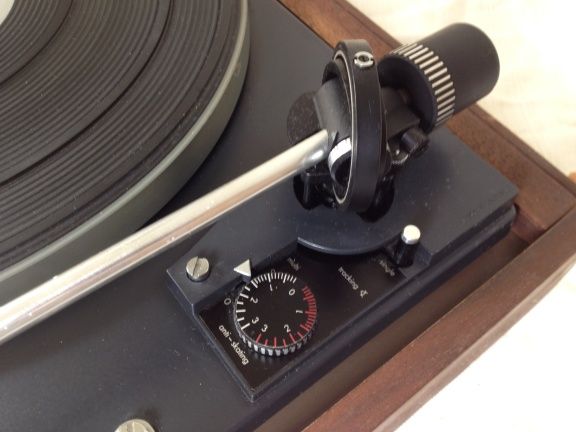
(343, 288)
(460, 204)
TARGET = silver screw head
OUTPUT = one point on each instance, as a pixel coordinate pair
(198, 269)
(363, 59)
(135, 425)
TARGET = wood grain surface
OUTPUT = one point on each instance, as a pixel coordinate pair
(439, 337)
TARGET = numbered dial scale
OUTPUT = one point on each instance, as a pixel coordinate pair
(275, 313)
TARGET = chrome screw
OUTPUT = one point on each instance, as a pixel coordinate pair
(363, 59)
(135, 425)
(198, 269)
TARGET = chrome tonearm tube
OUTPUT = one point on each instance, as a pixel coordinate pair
(82, 279)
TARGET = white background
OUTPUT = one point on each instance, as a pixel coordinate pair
(527, 380)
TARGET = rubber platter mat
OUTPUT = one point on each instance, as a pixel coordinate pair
(94, 95)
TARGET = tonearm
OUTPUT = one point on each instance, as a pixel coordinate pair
(350, 139)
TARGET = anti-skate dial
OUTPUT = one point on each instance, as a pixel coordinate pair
(275, 313)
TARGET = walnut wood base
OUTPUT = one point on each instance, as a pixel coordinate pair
(418, 354)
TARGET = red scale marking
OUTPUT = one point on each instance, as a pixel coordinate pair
(284, 342)
(275, 344)
(258, 338)
(292, 337)
(311, 312)
(266, 342)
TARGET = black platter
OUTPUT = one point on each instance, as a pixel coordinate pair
(107, 108)
(131, 351)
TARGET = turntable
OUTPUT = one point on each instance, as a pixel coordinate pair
(211, 220)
